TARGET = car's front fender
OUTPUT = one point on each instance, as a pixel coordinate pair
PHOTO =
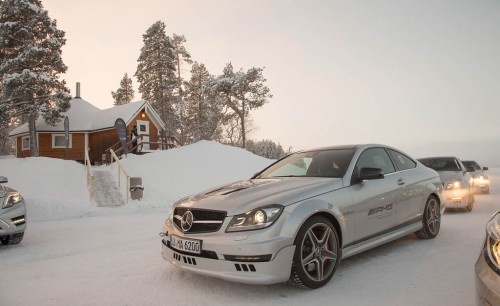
(336, 204)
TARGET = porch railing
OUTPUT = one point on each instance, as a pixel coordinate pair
(121, 170)
(167, 143)
(89, 175)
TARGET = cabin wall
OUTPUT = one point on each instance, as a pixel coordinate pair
(99, 142)
(76, 152)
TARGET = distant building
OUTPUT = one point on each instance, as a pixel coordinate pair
(92, 129)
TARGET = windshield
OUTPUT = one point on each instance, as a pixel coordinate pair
(441, 164)
(325, 163)
(471, 164)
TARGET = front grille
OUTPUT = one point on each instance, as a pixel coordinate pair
(204, 221)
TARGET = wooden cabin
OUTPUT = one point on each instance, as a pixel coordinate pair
(92, 129)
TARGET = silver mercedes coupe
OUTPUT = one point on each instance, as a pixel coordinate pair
(295, 220)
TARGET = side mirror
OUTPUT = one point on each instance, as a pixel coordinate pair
(3, 179)
(370, 174)
(469, 169)
(485, 168)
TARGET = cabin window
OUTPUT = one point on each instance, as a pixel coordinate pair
(25, 143)
(59, 141)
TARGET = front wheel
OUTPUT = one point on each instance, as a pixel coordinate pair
(316, 253)
(431, 221)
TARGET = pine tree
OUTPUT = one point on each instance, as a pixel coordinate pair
(181, 55)
(242, 92)
(204, 111)
(266, 148)
(31, 64)
(124, 94)
(156, 75)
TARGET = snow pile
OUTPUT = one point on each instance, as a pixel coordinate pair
(53, 188)
(56, 189)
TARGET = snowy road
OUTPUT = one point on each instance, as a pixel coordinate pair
(115, 260)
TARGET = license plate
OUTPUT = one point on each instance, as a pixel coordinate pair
(185, 245)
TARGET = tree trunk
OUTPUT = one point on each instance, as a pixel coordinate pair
(32, 131)
(243, 132)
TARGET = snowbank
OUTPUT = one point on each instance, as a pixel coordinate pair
(56, 189)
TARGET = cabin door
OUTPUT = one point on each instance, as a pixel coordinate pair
(143, 129)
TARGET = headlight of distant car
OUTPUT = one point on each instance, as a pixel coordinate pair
(454, 185)
(258, 218)
(11, 199)
(493, 242)
(481, 178)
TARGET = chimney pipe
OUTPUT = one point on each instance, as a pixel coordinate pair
(78, 90)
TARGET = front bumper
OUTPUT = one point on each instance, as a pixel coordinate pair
(274, 271)
(487, 283)
(254, 257)
(13, 219)
(482, 185)
(455, 198)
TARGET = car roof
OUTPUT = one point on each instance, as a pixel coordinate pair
(438, 157)
(349, 147)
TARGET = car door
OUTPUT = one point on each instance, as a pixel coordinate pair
(410, 203)
(374, 201)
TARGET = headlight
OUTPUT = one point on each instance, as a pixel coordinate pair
(258, 218)
(11, 199)
(454, 185)
(481, 178)
(493, 242)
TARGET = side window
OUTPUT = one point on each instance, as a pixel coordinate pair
(375, 158)
(402, 161)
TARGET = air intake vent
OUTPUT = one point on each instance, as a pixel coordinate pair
(233, 191)
(185, 259)
(244, 268)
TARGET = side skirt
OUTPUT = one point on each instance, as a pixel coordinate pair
(391, 234)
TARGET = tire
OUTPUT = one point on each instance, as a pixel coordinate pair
(431, 221)
(317, 253)
(12, 239)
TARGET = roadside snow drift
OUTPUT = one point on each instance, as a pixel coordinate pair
(56, 189)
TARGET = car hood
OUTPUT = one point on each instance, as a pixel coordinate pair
(242, 196)
(448, 176)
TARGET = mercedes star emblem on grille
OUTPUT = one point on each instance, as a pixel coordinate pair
(187, 221)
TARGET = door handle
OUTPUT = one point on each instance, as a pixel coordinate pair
(401, 181)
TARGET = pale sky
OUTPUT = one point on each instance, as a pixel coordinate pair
(422, 76)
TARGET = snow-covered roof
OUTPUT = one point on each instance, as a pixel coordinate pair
(85, 117)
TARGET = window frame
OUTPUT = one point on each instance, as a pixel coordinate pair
(22, 143)
(54, 146)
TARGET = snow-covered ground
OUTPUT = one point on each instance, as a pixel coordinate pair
(75, 253)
